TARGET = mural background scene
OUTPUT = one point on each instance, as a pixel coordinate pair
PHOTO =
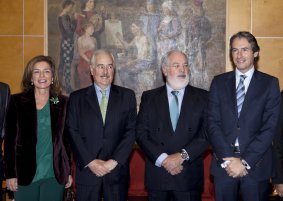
(138, 33)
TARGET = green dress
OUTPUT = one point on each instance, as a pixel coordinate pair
(44, 146)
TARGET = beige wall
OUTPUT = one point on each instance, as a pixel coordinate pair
(22, 34)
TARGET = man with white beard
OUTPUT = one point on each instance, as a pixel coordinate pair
(171, 132)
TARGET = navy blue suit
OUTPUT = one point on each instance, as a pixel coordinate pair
(255, 128)
(91, 139)
(155, 136)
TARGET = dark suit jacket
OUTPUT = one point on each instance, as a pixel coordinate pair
(21, 138)
(255, 127)
(155, 135)
(4, 99)
(278, 148)
(90, 139)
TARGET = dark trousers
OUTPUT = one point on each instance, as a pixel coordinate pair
(155, 195)
(228, 188)
(110, 192)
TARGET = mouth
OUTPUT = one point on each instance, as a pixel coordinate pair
(182, 76)
(42, 81)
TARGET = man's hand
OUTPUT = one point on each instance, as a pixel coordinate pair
(173, 163)
(110, 164)
(98, 168)
(279, 189)
(235, 168)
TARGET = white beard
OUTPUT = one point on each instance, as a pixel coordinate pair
(178, 83)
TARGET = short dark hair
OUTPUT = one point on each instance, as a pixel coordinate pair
(250, 38)
(26, 80)
(67, 3)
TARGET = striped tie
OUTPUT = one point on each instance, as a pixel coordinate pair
(174, 109)
(240, 93)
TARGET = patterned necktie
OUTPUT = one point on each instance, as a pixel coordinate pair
(103, 104)
(174, 109)
(240, 94)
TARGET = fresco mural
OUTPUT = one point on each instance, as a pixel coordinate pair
(138, 33)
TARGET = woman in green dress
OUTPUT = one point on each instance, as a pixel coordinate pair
(37, 155)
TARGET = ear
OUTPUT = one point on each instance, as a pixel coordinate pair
(255, 54)
(164, 71)
(91, 70)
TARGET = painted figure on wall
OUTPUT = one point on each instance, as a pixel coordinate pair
(169, 29)
(86, 46)
(197, 34)
(67, 26)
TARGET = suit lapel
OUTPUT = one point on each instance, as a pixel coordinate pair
(28, 108)
(253, 89)
(186, 108)
(55, 113)
(162, 103)
(113, 103)
(91, 99)
(231, 92)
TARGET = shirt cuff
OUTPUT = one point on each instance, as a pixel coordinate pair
(160, 159)
(225, 164)
(247, 166)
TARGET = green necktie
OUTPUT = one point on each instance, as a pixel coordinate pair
(103, 104)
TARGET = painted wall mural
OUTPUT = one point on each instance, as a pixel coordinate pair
(138, 33)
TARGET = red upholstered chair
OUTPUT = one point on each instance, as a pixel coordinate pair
(137, 189)
(208, 190)
(136, 185)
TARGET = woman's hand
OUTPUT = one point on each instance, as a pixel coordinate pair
(12, 184)
(69, 183)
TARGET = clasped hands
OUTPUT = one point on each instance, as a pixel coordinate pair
(101, 167)
(235, 168)
(173, 164)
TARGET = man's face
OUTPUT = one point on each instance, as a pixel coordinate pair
(242, 54)
(177, 71)
(103, 70)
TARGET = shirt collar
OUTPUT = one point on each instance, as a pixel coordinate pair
(98, 89)
(248, 74)
(169, 90)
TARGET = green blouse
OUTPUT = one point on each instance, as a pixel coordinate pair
(44, 146)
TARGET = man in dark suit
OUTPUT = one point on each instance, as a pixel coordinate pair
(4, 99)
(101, 122)
(278, 153)
(171, 132)
(243, 110)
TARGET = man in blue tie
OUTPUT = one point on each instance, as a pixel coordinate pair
(171, 132)
(243, 109)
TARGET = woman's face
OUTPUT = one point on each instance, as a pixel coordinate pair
(89, 5)
(42, 75)
(89, 30)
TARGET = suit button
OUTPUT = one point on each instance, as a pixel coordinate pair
(238, 128)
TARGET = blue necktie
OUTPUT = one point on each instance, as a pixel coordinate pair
(240, 94)
(174, 109)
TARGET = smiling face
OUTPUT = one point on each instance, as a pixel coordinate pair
(242, 54)
(100, 71)
(176, 71)
(42, 75)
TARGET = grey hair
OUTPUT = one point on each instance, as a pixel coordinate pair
(101, 51)
(165, 58)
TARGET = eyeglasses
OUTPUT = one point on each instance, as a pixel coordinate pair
(177, 66)
(104, 67)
